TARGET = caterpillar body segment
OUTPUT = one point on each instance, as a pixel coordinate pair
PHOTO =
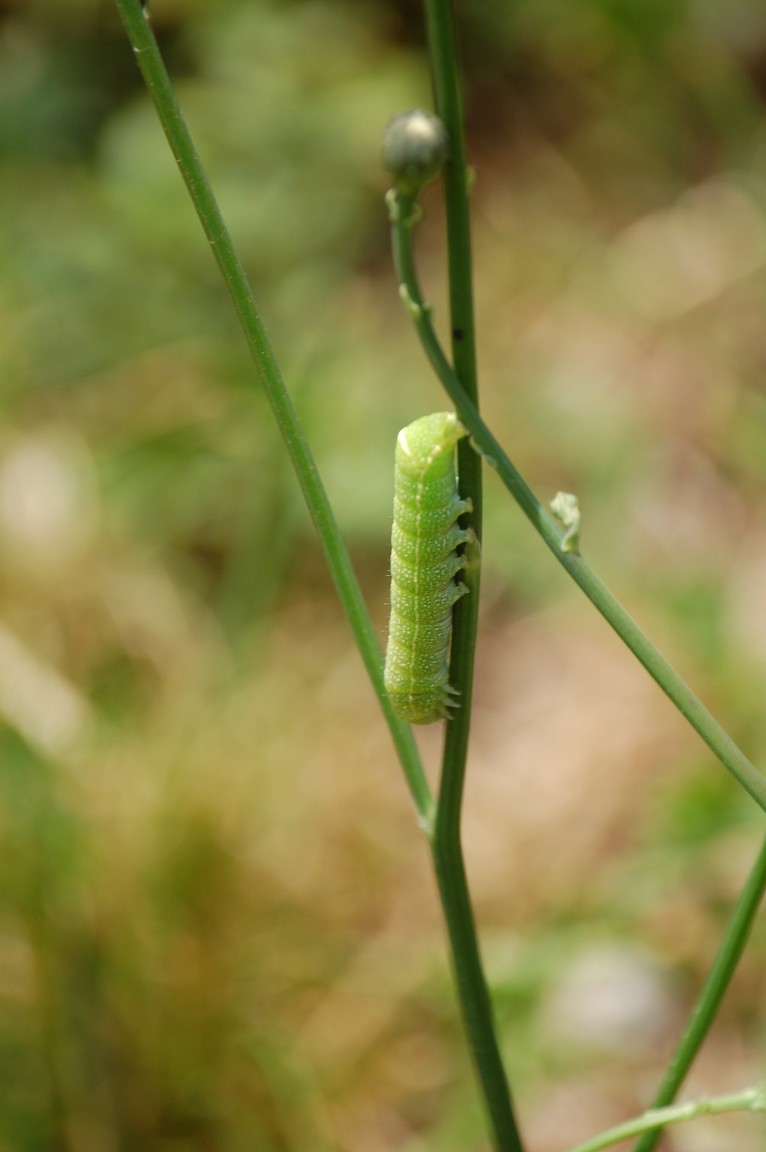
(424, 567)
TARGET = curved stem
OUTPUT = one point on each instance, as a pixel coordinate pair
(749, 1100)
(157, 81)
(712, 994)
(687, 703)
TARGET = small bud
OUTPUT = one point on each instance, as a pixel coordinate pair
(414, 149)
(566, 508)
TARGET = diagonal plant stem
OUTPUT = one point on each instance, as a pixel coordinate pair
(748, 1100)
(719, 978)
(685, 700)
(158, 83)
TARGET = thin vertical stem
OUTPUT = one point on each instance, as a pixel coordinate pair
(446, 842)
(442, 37)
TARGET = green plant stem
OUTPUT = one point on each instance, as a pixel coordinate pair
(749, 1100)
(473, 996)
(158, 83)
(442, 41)
(446, 843)
(446, 847)
(712, 994)
(688, 704)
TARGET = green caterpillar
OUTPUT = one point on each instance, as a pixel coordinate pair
(424, 563)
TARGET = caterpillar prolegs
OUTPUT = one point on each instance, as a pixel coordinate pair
(424, 564)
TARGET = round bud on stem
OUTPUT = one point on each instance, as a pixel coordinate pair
(414, 149)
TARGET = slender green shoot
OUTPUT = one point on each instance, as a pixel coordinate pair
(448, 101)
(688, 704)
(446, 844)
(171, 118)
(748, 1100)
(712, 994)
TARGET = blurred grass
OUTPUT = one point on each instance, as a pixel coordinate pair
(217, 927)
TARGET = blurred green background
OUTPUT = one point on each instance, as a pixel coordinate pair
(218, 929)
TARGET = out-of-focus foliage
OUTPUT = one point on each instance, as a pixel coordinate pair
(217, 929)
